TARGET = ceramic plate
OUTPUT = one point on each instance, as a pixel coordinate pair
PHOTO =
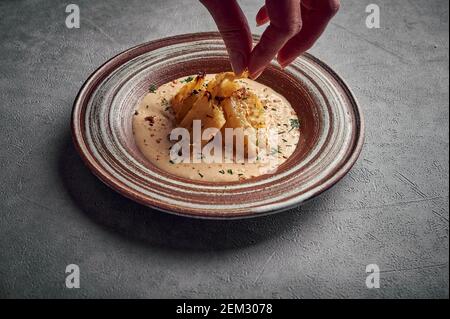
(331, 130)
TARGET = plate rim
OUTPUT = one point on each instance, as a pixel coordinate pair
(102, 72)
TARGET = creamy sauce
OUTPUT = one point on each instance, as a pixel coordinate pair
(154, 119)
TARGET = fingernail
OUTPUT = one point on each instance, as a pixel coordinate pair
(237, 62)
(284, 64)
(255, 75)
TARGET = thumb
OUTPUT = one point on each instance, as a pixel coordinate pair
(234, 30)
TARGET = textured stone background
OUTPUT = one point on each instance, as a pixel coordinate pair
(392, 209)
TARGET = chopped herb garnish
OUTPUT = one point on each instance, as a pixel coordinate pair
(171, 162)
(187, 80)
(294, 124)
(230, 171)
(201, 175)
(152, 88)
(276, 150)
(222, 171)
(164, 102)
(284, 140)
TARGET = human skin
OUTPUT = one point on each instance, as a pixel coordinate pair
(294, 27)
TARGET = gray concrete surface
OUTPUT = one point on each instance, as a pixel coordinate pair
(391, 210)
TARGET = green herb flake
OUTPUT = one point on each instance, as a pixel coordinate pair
(230, 171)
(171, 162)
(276, 150)
(152, 88)
(200, 174)
(222, 171)
(294, 124)
(187, 80)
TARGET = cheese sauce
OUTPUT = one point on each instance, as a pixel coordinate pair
(154, 120)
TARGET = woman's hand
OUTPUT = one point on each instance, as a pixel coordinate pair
(294, 27)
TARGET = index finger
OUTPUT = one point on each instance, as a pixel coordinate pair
(285, 22)
(234, 29)
(315, 15)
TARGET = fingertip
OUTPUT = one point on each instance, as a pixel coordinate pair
(283, 60)
(254, 69)
(261, 22)
(256, 75)
(290, 52)
(262, 16)
(238, 62)
(285, 63)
